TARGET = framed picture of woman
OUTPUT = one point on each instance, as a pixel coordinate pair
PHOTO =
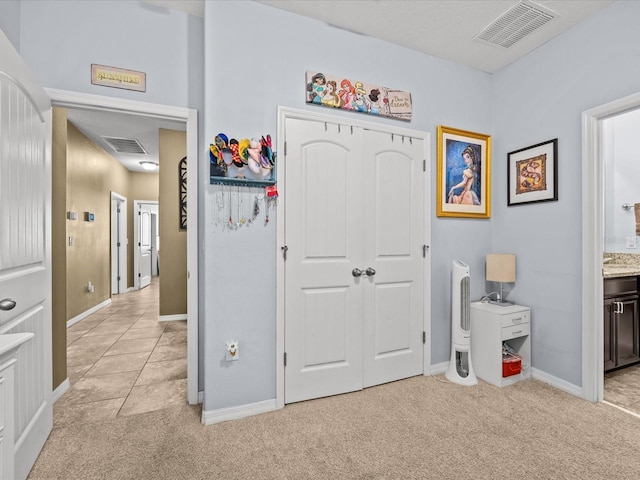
(463, 174)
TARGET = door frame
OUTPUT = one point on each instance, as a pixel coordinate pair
(121, 238)
(67, 99)
(593, 242)
(285, 113)
(136, 239)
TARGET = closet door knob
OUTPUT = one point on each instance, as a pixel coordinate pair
(370, 272)
(7, 304)
(356, 272)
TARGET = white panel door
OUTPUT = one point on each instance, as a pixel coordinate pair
(25, 248)
(323, 333)
(144, 244)
(393, 248)
(354, 200)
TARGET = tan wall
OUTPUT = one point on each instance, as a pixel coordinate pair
(173, 241)
(142, 186)
(91, 176)
(59, 246)
(83, 177)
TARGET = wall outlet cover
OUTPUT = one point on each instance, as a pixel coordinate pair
(631, 242)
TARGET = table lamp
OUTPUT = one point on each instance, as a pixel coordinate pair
(501, 267)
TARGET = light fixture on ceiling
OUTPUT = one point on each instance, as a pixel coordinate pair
(148, 165)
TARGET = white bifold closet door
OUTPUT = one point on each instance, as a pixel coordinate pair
(354, 203)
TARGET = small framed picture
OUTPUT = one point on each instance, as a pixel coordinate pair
(532, 174)
(463, 174)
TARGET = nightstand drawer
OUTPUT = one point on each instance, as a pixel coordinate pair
(515, 318)
(515, 331)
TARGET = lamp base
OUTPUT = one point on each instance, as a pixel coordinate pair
(500, 303)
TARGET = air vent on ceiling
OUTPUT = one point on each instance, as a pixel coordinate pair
(515, 24)
(125, 145)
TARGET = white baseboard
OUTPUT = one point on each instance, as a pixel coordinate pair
(438, 368)
(171, 318)
(537, 374)
(210, 417)
(86, 313)
(557, 382)
(60, 390)
(200, 397)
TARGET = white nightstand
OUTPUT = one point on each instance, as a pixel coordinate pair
(491, 326)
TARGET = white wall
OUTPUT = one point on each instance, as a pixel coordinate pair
(622, 172)
(539, 98)
(249, 72)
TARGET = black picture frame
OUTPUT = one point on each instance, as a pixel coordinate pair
(532, 174)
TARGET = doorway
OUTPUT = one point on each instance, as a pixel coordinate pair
(353, 291)
(593, 196)
(118, 244)
(97, 103)
(145, 242)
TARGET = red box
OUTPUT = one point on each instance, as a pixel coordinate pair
(511, 365)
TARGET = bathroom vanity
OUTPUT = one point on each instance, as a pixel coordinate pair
(621, 314)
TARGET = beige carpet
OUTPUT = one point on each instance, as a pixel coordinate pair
(420, 428)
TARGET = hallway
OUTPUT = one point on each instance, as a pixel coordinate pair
(121, 361)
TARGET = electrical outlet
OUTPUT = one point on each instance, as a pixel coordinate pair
(232, 352)
(631, 242)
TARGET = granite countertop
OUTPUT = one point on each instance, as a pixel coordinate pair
(620, 265)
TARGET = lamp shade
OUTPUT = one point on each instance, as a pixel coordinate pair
(501, 267)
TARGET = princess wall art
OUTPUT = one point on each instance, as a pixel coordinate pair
(348, 94)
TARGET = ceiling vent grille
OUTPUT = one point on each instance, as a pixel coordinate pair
(515, 24)
(125, 145)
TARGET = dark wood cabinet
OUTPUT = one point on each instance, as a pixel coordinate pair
(621, 322)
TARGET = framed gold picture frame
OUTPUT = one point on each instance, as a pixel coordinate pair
(463, 173)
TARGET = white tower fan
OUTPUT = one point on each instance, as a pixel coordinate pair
(460, 369)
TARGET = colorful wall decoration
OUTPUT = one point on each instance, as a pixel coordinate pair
(246, 162)
(348, 94)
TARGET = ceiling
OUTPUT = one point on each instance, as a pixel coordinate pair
(446, 29)
(97, 125)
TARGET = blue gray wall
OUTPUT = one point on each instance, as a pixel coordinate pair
(10, 21)
(254, 64)
(59, 40)
(539, 98)
(249, 73)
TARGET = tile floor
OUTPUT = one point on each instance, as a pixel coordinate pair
(622, 388)
(122, 361)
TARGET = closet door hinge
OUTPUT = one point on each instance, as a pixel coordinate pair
(284, 252)
(285, 359)
(424, 165)
(424, 337)
(285, 149)
(425, 249)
